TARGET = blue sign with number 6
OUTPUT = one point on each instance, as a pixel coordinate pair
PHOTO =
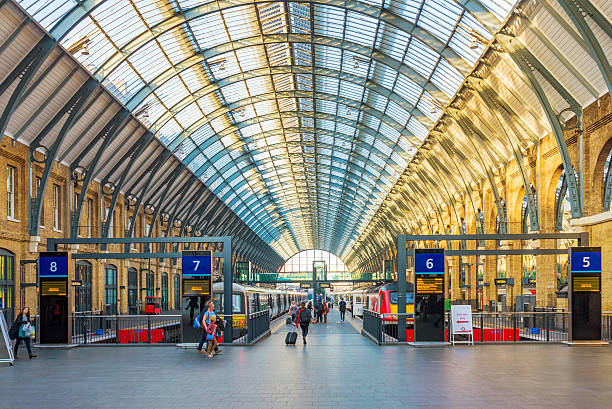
(429, 263)
(586, 262)
(197, 263)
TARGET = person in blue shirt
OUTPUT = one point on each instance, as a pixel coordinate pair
(204, 321)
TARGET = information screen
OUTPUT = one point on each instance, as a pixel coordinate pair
(53, 287)
(585, 284)
(196, 287)
(430, 285)
(53, 264)
(197, 263)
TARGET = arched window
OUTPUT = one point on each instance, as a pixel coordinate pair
(305, 263)
(82, 294)
(7, 284)
(607, 182)
(164, 292)
(132, 289)
(110, 289)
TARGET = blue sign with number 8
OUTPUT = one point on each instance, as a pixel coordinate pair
(53, 264)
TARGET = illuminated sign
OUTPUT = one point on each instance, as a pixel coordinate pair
(77, 283)
(53, 264)
(305, 285)
(429, 261)
(430, 285)
(53, 287)
(197, 263)
(585, 260)
(504, 281)
(585, 284)
(324, 285)
(196, 287)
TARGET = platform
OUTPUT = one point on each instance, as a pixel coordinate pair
(339, 368)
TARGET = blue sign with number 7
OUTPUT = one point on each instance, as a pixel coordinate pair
(197, 263)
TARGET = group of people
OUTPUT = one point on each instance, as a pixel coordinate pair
(302, 316)
(212, 326)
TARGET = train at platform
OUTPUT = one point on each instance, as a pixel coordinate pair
(381, 299)
(247, 300)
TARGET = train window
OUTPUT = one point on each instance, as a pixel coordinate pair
(358, 299)
(236, 302)
(393, 297)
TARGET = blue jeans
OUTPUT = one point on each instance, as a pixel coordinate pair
(27, 342)
(342, 315)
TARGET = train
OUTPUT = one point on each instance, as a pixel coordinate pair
(381, 299)
(247, 300)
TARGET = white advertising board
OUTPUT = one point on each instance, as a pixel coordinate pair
(461, 317)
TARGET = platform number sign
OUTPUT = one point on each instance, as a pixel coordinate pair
(429, 261)
(197, 264)
(584, 261)
(53, 264)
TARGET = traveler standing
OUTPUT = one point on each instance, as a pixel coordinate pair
(309, 306)
(303, 320)
(22, 319)
(342, 308)
(205, 320)
(293, 311)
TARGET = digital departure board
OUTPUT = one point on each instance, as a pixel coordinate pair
(53, 287)
(585, 284)
(196, 287)
(430, 285)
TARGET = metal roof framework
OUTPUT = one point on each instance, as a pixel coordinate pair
(322, 121)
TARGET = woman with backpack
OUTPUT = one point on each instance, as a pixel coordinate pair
(303, 320)
(21, 330)
(205, 320)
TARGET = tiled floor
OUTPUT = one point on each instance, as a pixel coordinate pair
(338, 368)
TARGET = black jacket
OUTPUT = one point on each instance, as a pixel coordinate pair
(304, 316)
(342, 306)
(19, 320)
(14, 330)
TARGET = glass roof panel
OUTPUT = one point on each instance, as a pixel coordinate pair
(291, 127)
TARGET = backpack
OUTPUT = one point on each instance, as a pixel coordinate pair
(14, 331)
(304, 315)
(196, 322)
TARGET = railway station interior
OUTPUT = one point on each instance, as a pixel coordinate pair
(431, 176)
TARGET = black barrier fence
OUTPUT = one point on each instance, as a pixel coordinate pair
(606, 326)
(126, 329)
(258, 324)
(488, 327)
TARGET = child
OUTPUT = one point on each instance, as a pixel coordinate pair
(211, 331)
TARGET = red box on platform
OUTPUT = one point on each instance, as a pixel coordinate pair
(503, 334)
(126, 336)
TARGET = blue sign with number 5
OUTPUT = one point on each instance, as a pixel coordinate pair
(53, 264)
(586, 262)
(429, 263)
(197, 263)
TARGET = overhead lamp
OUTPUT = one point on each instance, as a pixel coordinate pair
(474, 44)
(80, 45)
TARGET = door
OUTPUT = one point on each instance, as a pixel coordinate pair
(110, 289)
(82, 294)
(132, 291)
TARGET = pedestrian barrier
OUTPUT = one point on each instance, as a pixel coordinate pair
(126, 329)
(258, 325)
(550, 326)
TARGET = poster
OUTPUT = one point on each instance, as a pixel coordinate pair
(461, 316)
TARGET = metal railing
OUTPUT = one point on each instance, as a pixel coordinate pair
(606, 326)
(126, 329)
(488, 327)
(258, 324)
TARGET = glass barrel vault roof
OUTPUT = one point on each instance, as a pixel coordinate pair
(299, 115)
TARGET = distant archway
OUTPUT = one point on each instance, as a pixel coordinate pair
(302, 262)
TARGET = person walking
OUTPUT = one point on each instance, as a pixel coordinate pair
(342, 308)
(205, 320)
(293, 311)
(23, 319)
(211, 336)
(319, 312)
(303, 320)
(309, 306)
(325, 311)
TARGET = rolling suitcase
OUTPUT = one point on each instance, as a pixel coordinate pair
(289, 321)
(291, 337)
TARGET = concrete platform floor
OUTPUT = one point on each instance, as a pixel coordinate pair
(339, 368)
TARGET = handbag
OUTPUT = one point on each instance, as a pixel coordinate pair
(210, 337)
(196, 322)
(14, 331)
(25, 330)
